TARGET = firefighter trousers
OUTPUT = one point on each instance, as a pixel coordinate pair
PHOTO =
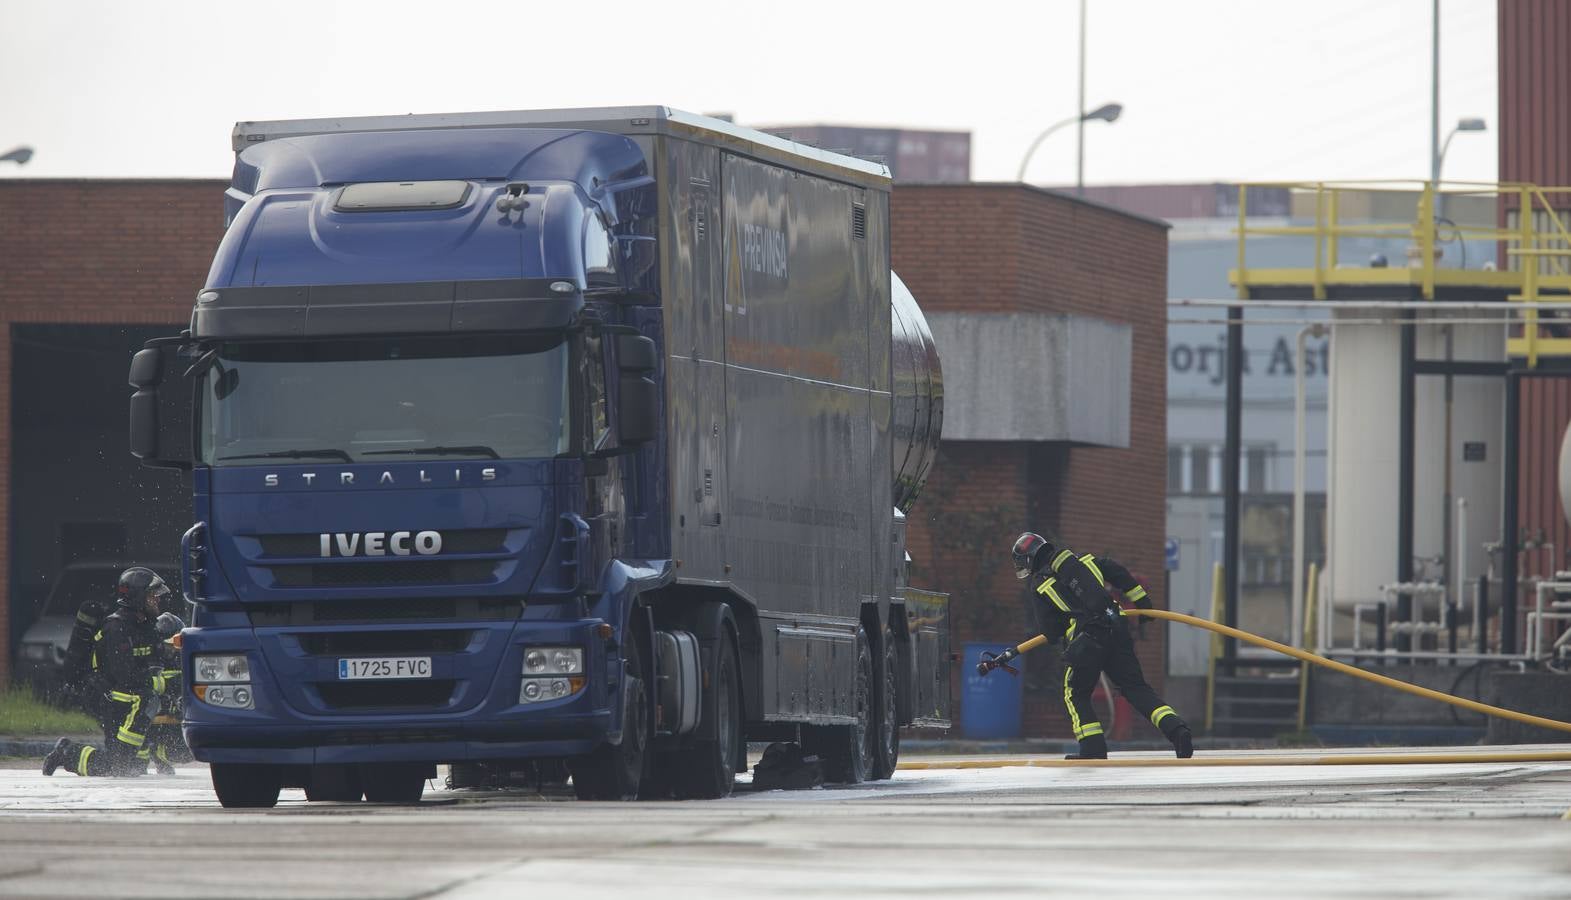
(1115, 656)
(125, 719)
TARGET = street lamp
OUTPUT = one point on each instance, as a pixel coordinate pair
(1473, 124)
(1465, 125)
(1108, 112)
(20, 156)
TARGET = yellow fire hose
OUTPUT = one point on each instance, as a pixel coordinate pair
(1351, 759)
(1344, 668)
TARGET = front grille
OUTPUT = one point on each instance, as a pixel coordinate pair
(346, 643)
(386, 694)
(386, 573)
(472, 540)
(370, 610)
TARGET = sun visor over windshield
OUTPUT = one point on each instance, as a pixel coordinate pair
(435, 307)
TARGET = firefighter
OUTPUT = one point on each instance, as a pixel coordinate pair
(131, 668)
(1078, 607)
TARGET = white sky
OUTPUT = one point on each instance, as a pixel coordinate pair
(1213, 90)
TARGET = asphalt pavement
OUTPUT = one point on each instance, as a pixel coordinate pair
(1430, 830)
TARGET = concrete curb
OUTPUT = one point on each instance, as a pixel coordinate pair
(37, 746)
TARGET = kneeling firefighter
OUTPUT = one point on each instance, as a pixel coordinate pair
(1078, 607)
(132, 670)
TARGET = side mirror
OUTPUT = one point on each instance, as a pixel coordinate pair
(147, 368)
(637, 410)
(144, 422)
(635, 353)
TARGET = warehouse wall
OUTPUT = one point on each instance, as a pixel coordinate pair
(1009, 248)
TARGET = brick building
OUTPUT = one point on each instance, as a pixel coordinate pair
(90, 269)
(1034, 258)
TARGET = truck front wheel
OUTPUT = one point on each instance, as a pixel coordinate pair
(246, 786)
(614, 772)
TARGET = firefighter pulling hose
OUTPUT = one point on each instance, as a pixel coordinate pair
(1077, 606)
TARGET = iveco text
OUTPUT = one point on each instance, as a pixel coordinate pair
(381, 543)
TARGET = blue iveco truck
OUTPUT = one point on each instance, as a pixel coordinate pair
(578, 440)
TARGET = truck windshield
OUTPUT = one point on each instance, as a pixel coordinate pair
(385, 400)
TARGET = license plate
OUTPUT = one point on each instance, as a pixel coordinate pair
(384, 667)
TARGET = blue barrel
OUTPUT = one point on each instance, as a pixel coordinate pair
(990, 706)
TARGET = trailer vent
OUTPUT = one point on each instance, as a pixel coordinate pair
(859, 221)
(700, 223)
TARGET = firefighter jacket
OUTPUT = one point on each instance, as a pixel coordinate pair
(1074, 589)
(124, 651)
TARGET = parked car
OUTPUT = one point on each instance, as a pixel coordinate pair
(40, 659)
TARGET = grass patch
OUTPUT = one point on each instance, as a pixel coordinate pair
(22, 713)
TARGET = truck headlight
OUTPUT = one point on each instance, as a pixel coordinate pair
(553, 661)
(219, 669)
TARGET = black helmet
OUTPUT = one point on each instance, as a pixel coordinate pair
(139, 584)
(1026, 548)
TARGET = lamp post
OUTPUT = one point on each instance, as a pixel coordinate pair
(1108, 112)
(20, 156)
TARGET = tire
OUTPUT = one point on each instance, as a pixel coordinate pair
(393, 782)
(614, 772)
(707, 771)
(847, 750)
(333, 783)
(886, 719)
(246, 786)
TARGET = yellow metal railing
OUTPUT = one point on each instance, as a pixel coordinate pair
(1533, 262)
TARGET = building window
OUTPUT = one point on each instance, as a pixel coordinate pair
(1257, 470)
(1200, 470)
(1175, 470)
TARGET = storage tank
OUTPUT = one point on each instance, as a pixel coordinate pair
(918, 401)
(1365, 465)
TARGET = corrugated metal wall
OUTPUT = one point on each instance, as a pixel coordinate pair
(1535, 146)
(1535, 91)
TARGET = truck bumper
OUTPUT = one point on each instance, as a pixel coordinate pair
(569, 735)
(292, 722)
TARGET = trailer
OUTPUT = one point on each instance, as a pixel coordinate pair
(574, 439)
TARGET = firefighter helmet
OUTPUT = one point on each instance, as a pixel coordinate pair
(141, 590)
(1025, 551)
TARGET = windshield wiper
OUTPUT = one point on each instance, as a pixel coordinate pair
(326, 453)
(475, 450)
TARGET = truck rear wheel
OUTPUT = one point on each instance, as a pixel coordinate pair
(394, 782)
(708, 770)
(847, 750)
(886, 725)
(246, 786)
(614, 772)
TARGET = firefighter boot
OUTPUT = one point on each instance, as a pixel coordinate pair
(161, 763)
(1092, 747)
(1178, 732)
(57, 756)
